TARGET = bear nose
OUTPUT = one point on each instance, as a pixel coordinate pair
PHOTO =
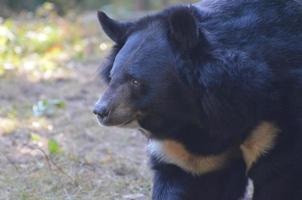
(101, 110)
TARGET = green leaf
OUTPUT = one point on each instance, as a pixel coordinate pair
(58, 103)
(53, 146)
(47, 106)
(35, 137)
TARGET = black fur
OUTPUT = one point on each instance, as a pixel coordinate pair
(172, 183)
(184, 28)
(211, 73)
(115, 30)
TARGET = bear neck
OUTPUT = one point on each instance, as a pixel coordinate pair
(172, 152)
(260, 142)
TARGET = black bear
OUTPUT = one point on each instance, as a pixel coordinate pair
(212, 85)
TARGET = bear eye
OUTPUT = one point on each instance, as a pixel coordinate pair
(135, 82)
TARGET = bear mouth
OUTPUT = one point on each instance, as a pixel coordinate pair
(127, 123)
(130, 123)
(102, 121)
(107, 121)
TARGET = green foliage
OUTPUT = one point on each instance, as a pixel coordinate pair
(53, 146)
(63, 7)
(47, 106)
(40, 46)
(35, 137)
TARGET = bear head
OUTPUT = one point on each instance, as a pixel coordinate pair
(167, 73)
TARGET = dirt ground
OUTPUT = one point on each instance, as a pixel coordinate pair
(93, 163)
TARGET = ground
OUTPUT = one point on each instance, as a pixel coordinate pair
(93, 162)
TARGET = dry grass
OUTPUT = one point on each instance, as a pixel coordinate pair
(94, 163)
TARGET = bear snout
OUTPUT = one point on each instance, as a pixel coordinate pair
(101, 110)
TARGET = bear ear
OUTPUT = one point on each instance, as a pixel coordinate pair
(115, 30)
(184, 27)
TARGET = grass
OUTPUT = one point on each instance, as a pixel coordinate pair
(45, 45)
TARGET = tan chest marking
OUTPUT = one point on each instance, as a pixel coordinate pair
(261, 140)
(173, 152)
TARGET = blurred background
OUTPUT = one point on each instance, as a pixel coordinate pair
(51, 146)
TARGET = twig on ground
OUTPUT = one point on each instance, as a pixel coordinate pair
(50, 163)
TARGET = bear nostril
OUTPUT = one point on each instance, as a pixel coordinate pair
(95, 111)
(101, 111)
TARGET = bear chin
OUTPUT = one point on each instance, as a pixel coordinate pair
(135, 125)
